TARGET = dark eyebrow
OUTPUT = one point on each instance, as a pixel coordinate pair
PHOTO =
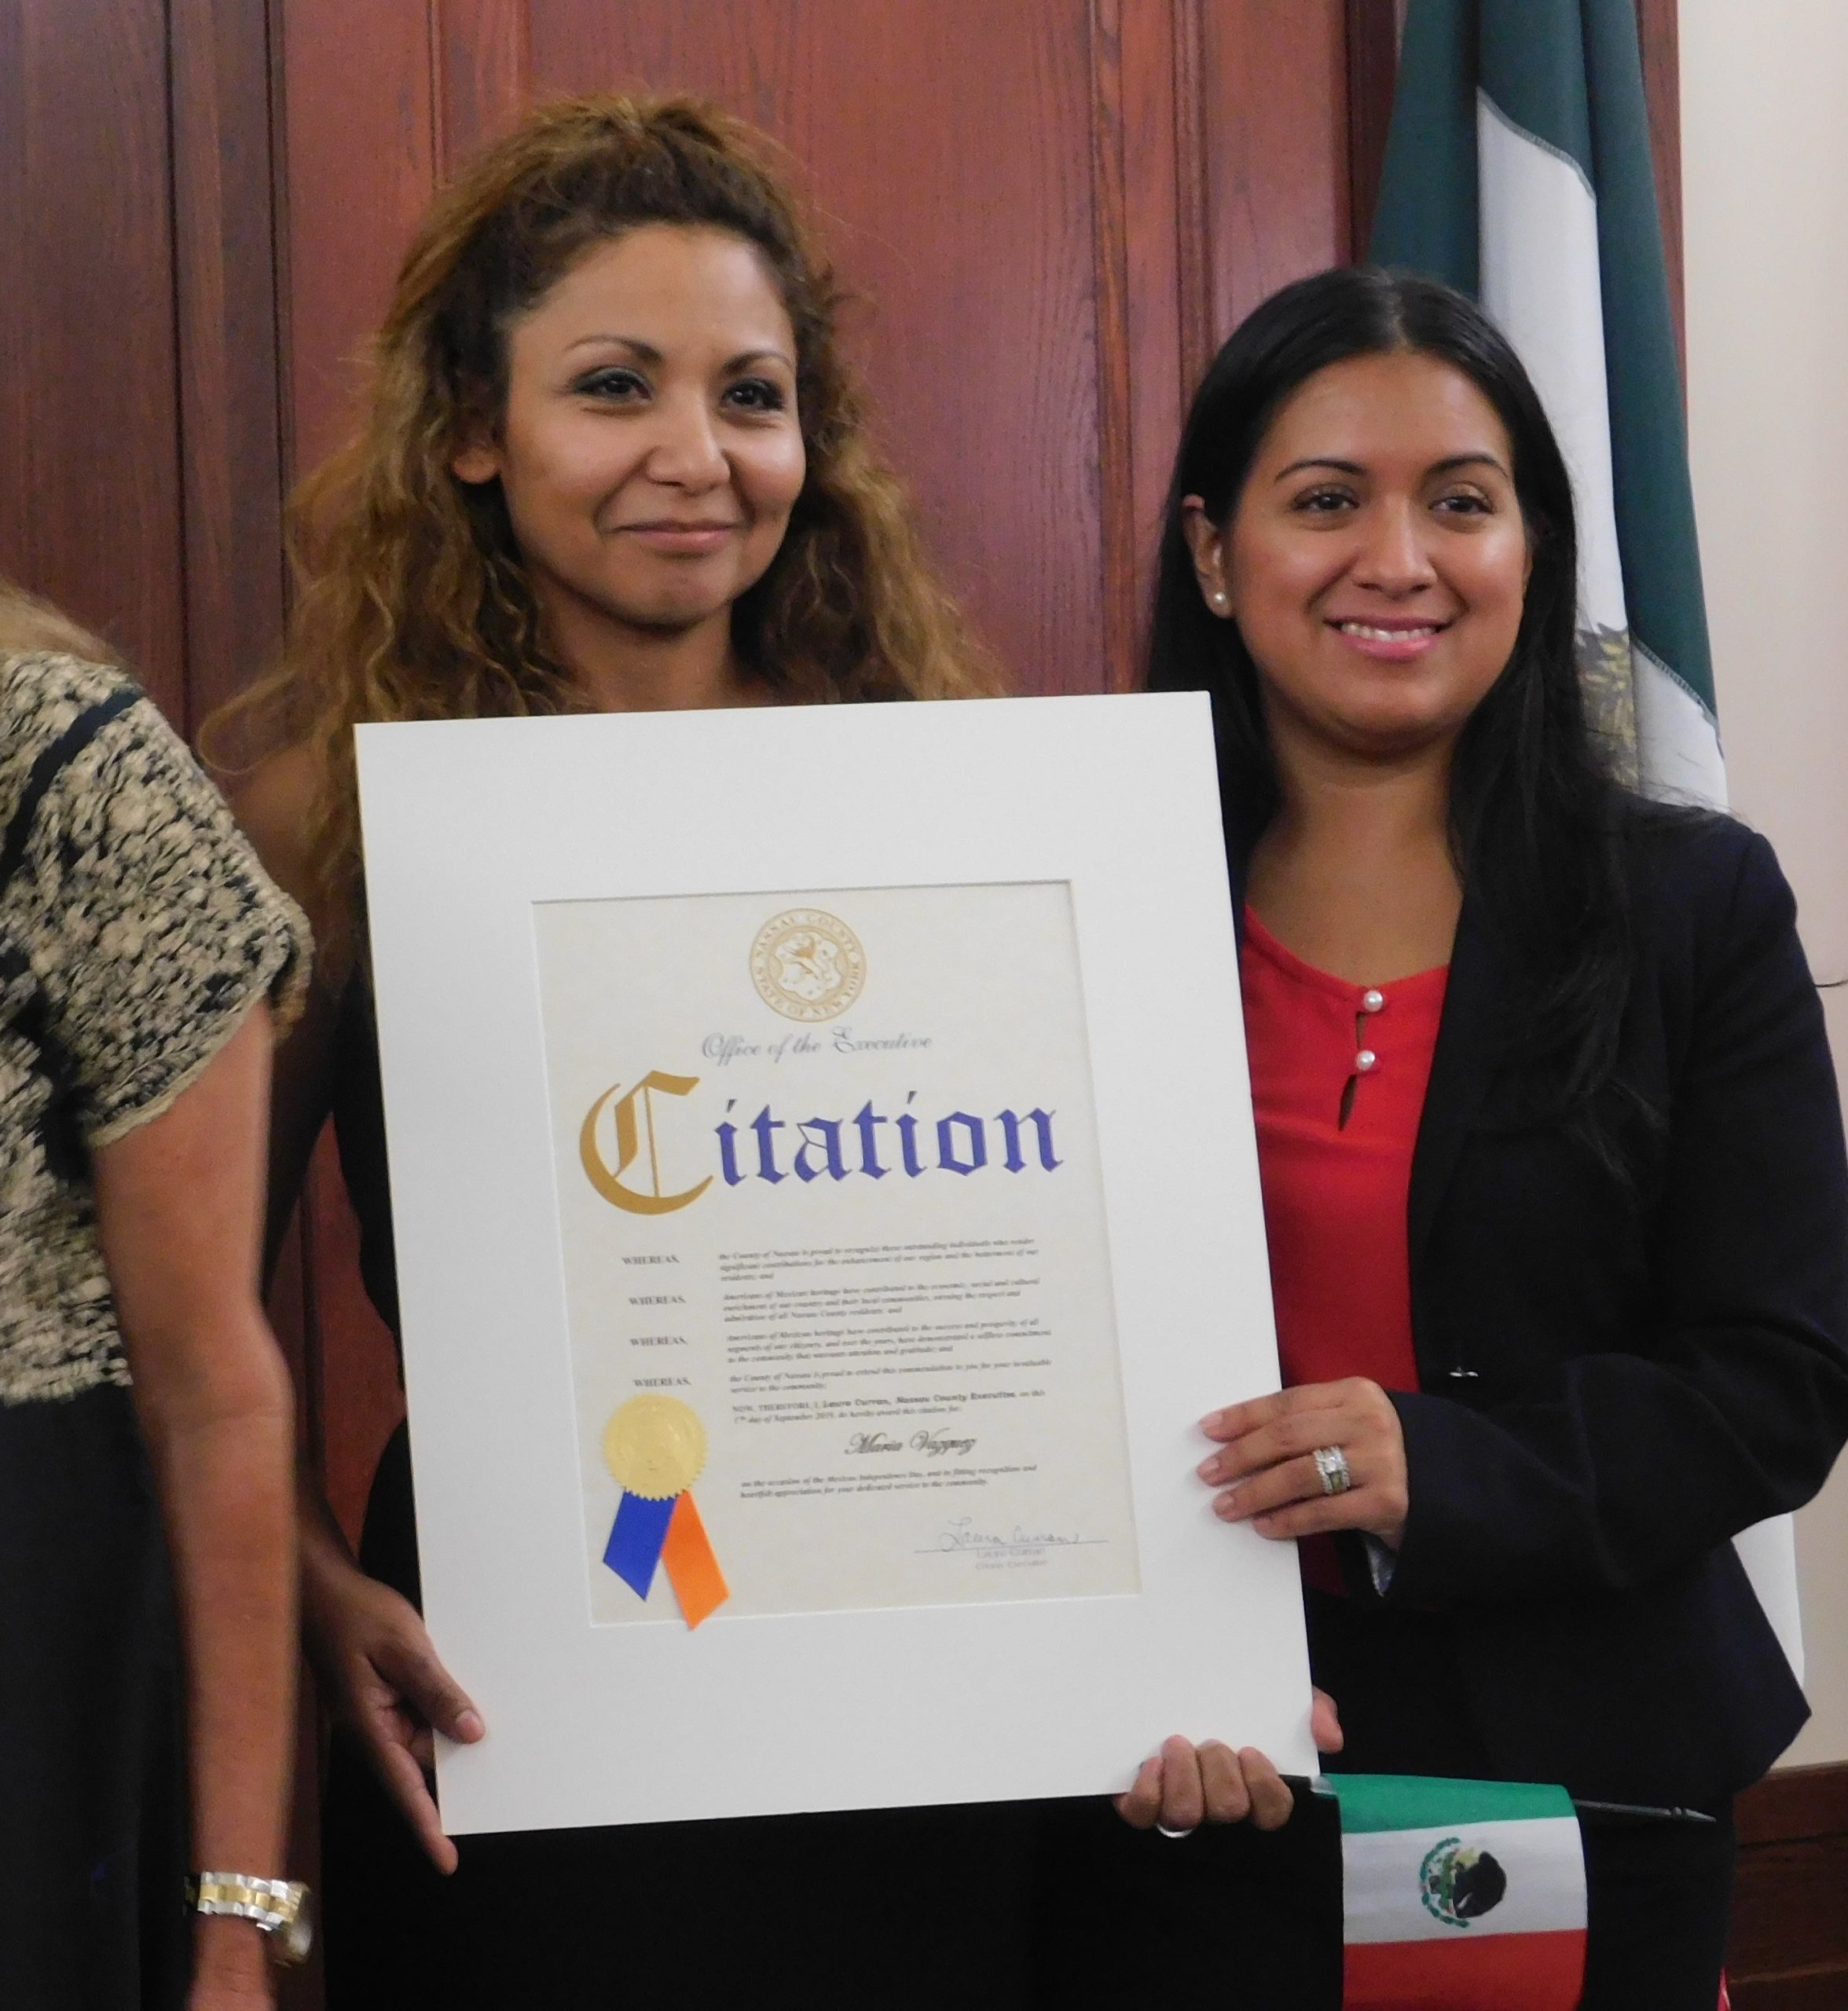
(751, 356)
(1447, 466)
(647, 351)
(1478, 459)
(649, 354)
(1321, 461)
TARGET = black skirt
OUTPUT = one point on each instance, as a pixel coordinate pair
(996, 1904)
(93, 1805)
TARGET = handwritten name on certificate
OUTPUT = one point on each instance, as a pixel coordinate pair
(837, 1270)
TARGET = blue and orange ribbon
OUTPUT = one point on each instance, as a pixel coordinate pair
(654, 1447)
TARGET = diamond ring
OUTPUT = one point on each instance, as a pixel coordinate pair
(1331, 1463)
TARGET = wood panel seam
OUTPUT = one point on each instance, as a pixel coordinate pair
(1191, 211)
(183, 505)
(280, 276)
(439, 108)
(1115, 508)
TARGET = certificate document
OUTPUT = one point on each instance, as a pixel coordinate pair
(826, 1204)
(828, 1188)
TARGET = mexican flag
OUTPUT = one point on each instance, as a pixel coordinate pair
(1460, 1895)
(1518, 170)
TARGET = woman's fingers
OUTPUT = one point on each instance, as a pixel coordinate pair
(1272, 1804)
(396, 1689)
(1277, 1487)
(1285, 1438)
(402, 1779)
(1141, 1808)
(1228, 1799)
(1291, 1501)
(1237, 1420)
(1267, 1455)
(409, 1663)
(1183, 1786)
(1168, 1791)
(1294, 1423)
(1183, 1794)
(379, 1677)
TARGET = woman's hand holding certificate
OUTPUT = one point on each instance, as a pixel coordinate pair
(1321, 1457)
(381, 1680)
(1185, 1785)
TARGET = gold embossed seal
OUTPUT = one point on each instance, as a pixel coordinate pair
(808, 965)
(654, 1447)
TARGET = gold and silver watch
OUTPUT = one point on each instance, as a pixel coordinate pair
(278, 1906)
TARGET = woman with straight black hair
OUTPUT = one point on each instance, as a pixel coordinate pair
(1550, 1135)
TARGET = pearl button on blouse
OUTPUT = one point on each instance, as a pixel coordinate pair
(1336, 1128)
(1336, 1125)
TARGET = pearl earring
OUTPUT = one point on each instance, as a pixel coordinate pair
(1219, 598)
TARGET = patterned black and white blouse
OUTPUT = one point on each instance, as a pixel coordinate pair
(137, 932)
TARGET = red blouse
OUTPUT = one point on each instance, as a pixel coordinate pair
(1338, 1075)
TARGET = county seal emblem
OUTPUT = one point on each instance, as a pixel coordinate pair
(808, 965)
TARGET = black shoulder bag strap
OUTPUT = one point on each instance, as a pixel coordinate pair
(69, 744)
(65, 1152)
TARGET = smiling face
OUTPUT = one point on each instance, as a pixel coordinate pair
(1375, 562)
(650, 451)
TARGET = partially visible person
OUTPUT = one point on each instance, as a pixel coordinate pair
(147, 1579)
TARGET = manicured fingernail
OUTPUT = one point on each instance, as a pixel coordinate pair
(1226, 1504)
(1212, 1421)
(1209, 1468)
(469, 1725)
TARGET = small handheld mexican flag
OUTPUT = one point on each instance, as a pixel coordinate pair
(1460, 1894)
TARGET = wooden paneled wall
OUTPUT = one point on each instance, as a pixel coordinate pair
(1102, 180)
(90, 505)
(139, 347)
(208, 201)
(1789, 1945)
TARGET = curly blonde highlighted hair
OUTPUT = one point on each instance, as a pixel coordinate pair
(413, 601)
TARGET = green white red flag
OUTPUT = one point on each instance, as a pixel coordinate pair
(1460, 1895)
(1518, 169)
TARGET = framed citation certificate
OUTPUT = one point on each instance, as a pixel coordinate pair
(826, 1203)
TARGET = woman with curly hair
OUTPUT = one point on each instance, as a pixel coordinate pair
(614, 461)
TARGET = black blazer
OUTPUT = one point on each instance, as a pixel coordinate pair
(1614, 1381)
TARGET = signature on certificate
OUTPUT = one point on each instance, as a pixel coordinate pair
(933, 1444)
(961, 1532)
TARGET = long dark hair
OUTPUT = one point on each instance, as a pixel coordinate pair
(1536, 821)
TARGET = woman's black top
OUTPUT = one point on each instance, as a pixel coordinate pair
(1003, 1905)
